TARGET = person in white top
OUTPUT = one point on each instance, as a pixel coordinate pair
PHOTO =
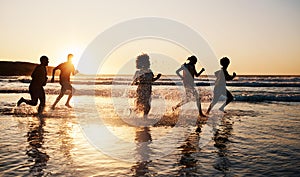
(220, 85)
(189, 73)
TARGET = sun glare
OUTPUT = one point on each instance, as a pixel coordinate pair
(165, 56)
(63, 55)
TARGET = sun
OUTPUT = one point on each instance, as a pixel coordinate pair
(76, 51)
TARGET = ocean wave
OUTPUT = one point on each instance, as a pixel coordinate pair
(171, 81)
(264, 84)
(206, 95)
(266, 98)
(244, 89)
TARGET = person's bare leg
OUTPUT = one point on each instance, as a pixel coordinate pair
(41, 109)
(180, 104)
(69, 98)
(209, 108)
(61, 94)
(21, 100)
(147, 108)
(199, 108)
(213, 103)
(228, 100)
(42, 99)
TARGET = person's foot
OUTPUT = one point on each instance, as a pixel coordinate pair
(222, 109)
(42, 120)
(40, 115)
(198, 129)
(202, 115)
(68, 105)
(174, 108)
(52, 107)
(201, 119)
(21, 100)
(130, 111)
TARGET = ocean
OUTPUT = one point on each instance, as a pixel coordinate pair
(100, 136)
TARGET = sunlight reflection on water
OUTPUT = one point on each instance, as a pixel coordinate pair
(252, 139)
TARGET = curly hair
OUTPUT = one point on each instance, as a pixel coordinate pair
(142, 61)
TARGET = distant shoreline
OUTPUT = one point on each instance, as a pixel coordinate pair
(20, 68)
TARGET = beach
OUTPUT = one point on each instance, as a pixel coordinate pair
(258, 136)
(139, 88)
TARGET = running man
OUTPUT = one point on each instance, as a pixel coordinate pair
(66, 69)
(36, 90)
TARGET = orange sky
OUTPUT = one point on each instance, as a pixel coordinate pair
(260, 37)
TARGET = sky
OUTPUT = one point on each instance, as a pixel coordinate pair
(260, 37)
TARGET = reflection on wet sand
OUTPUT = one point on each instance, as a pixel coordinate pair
(143, 139)
(35, 138)
(187, 161)
(65, 139)
(221, 139)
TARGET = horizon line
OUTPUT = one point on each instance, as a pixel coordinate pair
(238, 75)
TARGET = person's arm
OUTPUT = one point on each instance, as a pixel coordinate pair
(33, 74)
(53, 73)
(45, 77)
(74, 71)
(178, 72)
(198, 74)
(157, 77)
(135, 79)
(233, 75)
(228, 77)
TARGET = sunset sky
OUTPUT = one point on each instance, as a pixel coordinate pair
(259, 36)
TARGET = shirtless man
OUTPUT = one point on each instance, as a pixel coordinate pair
(66, 69)
(36, 90)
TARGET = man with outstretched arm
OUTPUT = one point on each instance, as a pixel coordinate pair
(66, 69)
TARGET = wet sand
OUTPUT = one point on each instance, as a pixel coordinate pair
(260, 139)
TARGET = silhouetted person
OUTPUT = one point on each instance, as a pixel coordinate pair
(220, 85)
(36, 90)
(189, 73)
(144, 77)
(66, 69)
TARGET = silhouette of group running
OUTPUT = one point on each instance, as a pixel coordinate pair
(143, 78)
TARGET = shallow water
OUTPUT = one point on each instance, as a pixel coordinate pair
(255, 139)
